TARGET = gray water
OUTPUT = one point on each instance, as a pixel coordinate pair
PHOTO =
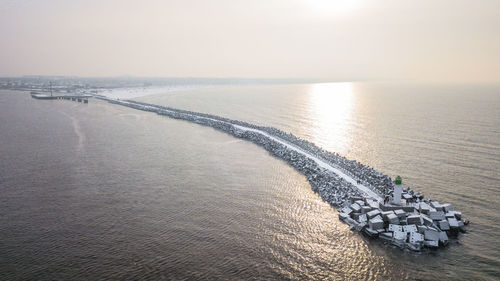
(99, 191)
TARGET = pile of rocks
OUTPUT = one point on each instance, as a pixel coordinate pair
(413, 225)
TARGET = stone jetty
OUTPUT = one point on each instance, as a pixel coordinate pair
(369, 201)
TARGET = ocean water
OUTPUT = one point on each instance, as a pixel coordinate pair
(98, 191)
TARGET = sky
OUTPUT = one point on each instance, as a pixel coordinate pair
(436, 40)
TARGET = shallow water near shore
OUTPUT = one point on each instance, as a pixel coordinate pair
(100, 191)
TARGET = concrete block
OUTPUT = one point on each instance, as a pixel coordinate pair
(370, 232)
(388, 207)
(373, 204)
(392, 218)
(453, 223)
(431, 243)
(426, 220)
(422, 229)
(416, 237)
(346, 210)
(436, 215)
(355, 215)
(407, 196)
(410, 228)
(373, 213)
(444, 225)
(355, 207)
(461, 226)
(394, 227)
(343, 216)
(424, 208)
(360, 226)
(399, 235)
(450, 215)
(443, 238)
(458, 215)
(385, 235)
(431, 235)
(400, 213)
(415, 219)
(353, 199)
(447, 207)
(363, 218)
(436, 205)
(408, 209)
(365, 209)
(385, 213)
(360, 202)
(376, 223)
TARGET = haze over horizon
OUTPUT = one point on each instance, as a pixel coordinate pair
(352, 40)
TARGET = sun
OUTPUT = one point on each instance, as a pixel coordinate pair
(332, 7)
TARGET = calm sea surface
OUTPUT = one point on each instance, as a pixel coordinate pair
(99, 191)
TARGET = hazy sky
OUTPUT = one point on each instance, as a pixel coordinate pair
(338, 39)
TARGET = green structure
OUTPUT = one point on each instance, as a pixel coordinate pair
(398, 180)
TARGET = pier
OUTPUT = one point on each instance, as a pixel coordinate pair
(368, 201)
(77, 98)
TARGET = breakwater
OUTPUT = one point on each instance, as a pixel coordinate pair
(362, 191)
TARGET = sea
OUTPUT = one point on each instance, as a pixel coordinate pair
(98, 191)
